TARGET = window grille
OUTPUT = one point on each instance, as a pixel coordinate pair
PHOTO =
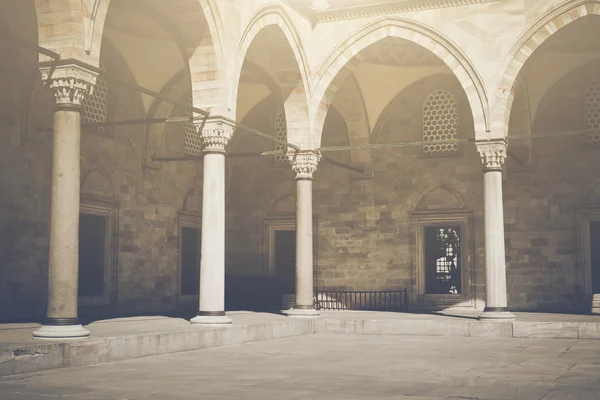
(193, 139)
(95, 104)
(592, 101)
(281, 134)
(443, 263)
(440, 122)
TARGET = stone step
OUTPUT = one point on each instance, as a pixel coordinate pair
(42, 355)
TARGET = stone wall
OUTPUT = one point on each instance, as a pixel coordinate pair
(543, 195)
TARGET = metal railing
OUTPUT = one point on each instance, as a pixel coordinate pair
(387, 300)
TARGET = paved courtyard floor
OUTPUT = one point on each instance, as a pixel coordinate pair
(328, 366)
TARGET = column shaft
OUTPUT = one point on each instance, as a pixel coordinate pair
(493, 154)
(70, 84)
(304, 164)
(64, 219)
(494, 243)
(304, 245)
(211, 308)
(212, 266)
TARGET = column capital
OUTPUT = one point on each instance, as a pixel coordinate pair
(305, 164)
(70, 83)
(215, 134)
(493, 154)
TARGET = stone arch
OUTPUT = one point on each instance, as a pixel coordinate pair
(592, 194)
(546, 26)
(440, 198)
(296, 104)
(97, 183)
(283, 205)
(193, 201)
(342, 61)
(79, 34)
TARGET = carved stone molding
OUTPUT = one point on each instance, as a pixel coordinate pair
(305, 164)
(309, 10)
(492, 154)
(215, 135)
(70, 83)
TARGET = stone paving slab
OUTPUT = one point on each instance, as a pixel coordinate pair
(128, 338)
(329, 366)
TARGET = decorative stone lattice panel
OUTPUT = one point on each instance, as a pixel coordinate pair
(193, 139)
(440, 122)
(281, 134)
(592, 101)
(95, 105)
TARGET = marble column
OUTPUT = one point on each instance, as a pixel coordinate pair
(215, 137)
(493, 155)
(304, 165)
(70, 84)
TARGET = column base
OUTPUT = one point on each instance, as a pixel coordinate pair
(496, 314)
(209, 318)
(53, 332)
(301, 313)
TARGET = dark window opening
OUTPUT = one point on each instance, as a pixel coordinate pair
(190, 261)
(595, 254)
(285, 259)
(442, 260)
(92, 254)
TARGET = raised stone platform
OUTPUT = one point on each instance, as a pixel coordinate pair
(128, 338)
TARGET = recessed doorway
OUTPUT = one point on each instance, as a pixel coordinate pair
(595, 255)
(285, 260)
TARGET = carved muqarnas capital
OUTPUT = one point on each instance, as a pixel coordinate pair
(305, 164)
(492, 155)
(70, 83)
(215, 135)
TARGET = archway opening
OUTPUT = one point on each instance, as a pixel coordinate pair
(418, 115)
(270, 92)
(554, 144)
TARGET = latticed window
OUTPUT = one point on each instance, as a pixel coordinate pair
(281, 134)
(442, 260)
(95, 105)
(592, 101)
(440, 123)
(193, 139)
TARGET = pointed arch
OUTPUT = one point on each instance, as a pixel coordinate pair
(79, 33)
(296, 104)
(440, 197)
(193, 201)
(97, 183)
(544, 27)
(342, 61)
(283, 205)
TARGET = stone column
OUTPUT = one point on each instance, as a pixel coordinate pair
(493, 154)
(215, 136)
(304, 165)
(70, 84)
